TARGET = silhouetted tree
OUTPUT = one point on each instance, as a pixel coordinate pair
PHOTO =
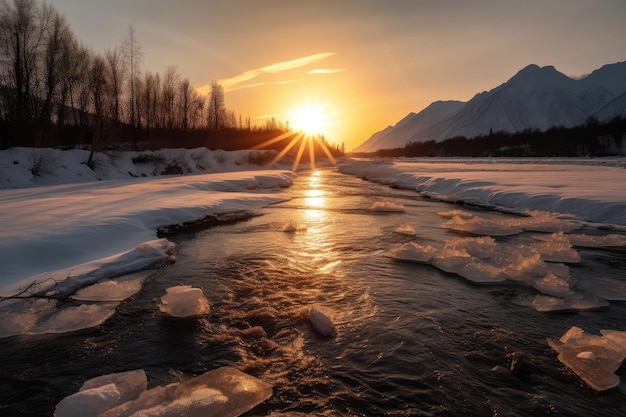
(133, 55)
(216, 108)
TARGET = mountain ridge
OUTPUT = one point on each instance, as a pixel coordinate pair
(535, 98)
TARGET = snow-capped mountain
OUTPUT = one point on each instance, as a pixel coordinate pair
(534, 98)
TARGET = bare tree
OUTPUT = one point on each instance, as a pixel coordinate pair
(133, 56)
(169, 97)
(57, 37)
(20, 40)
(115, 75)
(97, 93)
(216, 109)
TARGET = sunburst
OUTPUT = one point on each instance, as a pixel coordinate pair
(309, 123)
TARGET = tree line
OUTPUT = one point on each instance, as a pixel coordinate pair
(56, 91)
(592, 138)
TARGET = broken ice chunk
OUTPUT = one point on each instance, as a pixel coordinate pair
(71, 319)
(577, 302)
(130, 384)
(385, 206)
(481, 226)
(591, 241)
(451, 260)
(412, 252)
(322, 320)
(88, 403)
(118, 289)
(480, 247)
(553, 285)
(405, 229)
(227, 392)
(593, 358)
(184, 301)
(481, 272)
(224, 392)
(607, 288)
(557, 251)
(157, 396)
(539, 221)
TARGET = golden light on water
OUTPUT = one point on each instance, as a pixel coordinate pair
(315, 200)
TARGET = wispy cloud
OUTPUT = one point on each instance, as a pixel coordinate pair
(325, 70)
(235, 82)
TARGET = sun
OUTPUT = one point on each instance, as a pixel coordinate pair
(310, 119)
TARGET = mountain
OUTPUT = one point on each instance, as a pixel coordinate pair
(534, 98)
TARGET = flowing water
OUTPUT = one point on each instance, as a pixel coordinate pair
(411, 340)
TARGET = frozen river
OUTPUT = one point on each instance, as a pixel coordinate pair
(411, 340)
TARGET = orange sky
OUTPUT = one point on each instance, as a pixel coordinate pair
(368, 62)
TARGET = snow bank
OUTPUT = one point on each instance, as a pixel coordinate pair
(28, 167)
(592, 192)
(64, 228)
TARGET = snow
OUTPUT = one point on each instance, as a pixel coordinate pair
(76, 229)
(71, 231)
(224, 392)
(583, 190)
(535, 98)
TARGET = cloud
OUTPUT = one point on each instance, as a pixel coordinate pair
(233, 83)
(325, 70)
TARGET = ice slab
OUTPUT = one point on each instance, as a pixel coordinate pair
(224, 392)
(607, 288)
(412, 252)
(480, 226)
(386, 206)
(19, 316)
(184, 301)
(88, 403)
(480, 247)
(75, 318)
(322, 320)
(539, 221)
(405, 229)
(593, 358)
(577, 302)
(593, 241)
(117, 289)
(130, 384)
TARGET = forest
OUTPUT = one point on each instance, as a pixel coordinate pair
(56, 92)
(592, 138)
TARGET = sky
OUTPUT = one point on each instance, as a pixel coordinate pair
(363, 64)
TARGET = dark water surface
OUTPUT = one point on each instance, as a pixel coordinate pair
(411, 340)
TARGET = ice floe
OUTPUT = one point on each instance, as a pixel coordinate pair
(593, 358)
(387, 206)
(405, 229)
(322, 320)
(184, 301)
(224, 392)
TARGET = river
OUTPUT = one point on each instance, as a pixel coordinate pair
(411, 340)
